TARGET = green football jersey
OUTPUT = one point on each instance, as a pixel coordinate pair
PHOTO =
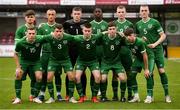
(122, 26)
(20, 32)
(98, 27)
(150, 29)
(138, 47)
(59, 47)
(45, 29)
(29, 52)
(87, 48)
(111, 48)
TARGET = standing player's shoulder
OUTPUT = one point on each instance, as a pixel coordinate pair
(21, 27)
(41, 25)
(154, 20)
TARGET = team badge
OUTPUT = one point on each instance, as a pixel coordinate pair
(125, 27)
(94, 41)
(65, 42)
(117, 42)
(103, 27)
(37, 44)
(149, 26)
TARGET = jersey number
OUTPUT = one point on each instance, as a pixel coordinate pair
(145, 31)
(87, 46)
(112, 47)
(59, 46)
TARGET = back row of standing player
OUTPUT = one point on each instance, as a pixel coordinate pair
(147, 27)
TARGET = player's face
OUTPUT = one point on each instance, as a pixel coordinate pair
(30, 19)
(87, 32)
(121, 13)
(144, 11)
(31, 35)
(58, 32)
(51, 15)
(130, 38)
(76, 15)
(112, 31)
(98, 13)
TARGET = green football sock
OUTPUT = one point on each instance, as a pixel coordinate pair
(134, 83)
(33, 87)
(58, 83)
(164, 82)
(18, 86)
(71, 85)
(115, 87)
(38, 87)
(79, 89)
(95, 89)
(103, 88)
(123, 88)
(149, 86)
(50, 89)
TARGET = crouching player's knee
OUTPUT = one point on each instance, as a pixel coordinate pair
(71, 76)
(122, 77)
(38, 76)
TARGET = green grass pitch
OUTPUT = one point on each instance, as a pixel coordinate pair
(7, 68)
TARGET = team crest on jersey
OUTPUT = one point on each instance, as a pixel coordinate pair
(65, 42)
(135, 47)
(53, 42)
(149, 26)
(117, 42)
(103, 27)
(46, 30)
(37, 44)
(94, 41)
(133, 51)
(125, 27)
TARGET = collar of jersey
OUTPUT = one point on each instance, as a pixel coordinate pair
(87, 39)
(121, 22)
(147, 20)
(98, 22)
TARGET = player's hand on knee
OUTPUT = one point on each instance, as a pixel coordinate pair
(19, 73)
(146, 73)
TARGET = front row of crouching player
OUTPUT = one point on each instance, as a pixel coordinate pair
(27, 57)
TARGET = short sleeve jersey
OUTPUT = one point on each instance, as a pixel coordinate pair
(122, 26)
(138, 47)
(29, 51)
(98, 27)
(111, 48)
(150, 29)
(59, 46)
(87, 48)
(45, 29)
